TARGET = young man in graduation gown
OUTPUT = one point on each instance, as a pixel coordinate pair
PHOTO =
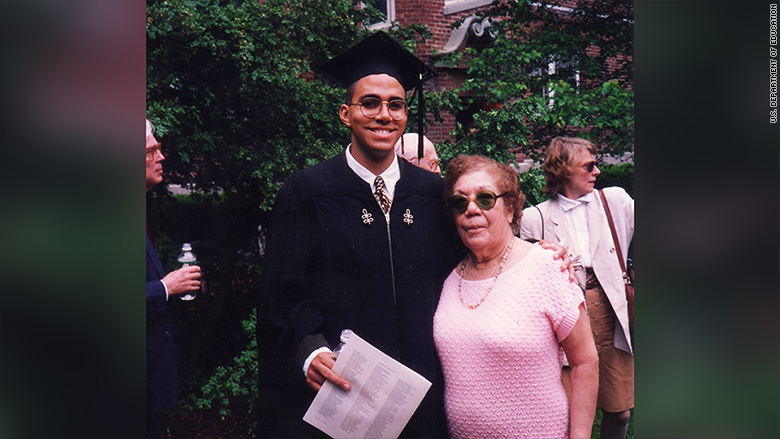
(336, 260)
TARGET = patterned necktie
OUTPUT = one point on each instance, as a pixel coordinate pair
(381, 196)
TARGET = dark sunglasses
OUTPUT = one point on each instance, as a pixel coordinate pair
(485, 200)
(590, 165)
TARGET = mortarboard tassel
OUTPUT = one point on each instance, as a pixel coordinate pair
(421, 120)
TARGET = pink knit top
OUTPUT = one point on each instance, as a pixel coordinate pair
(502, 361)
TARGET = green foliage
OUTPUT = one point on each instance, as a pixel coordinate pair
(617, 175)
(532, 184)
(231, 387)
(229, 86)
(235, 381)
(212, 219)
(226, 87)
(495, 132)
(521, 105)
(435, 103)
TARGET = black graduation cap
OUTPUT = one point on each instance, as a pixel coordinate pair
(379, 53)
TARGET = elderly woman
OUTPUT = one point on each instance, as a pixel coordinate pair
(575, 217)
(503, 316)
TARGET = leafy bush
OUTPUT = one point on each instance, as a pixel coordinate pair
(519, 103)
(617, 175)
(237, 381)
(532, 183)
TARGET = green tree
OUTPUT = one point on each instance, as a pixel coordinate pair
(227, 85)
(238, 109)
(523, 104)
(230, 85)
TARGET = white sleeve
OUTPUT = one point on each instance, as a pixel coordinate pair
(310, 358)
(166, 289)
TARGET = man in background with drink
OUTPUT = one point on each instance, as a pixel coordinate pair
(161, 364)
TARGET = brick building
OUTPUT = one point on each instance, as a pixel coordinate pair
(439, 16)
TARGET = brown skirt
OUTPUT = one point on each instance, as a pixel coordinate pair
(616, 366)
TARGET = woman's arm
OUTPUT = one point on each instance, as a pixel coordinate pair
(584, 361)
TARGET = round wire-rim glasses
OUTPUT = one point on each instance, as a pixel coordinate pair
(152, 151)
(371, 107)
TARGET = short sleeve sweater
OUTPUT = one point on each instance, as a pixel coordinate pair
(502, 361)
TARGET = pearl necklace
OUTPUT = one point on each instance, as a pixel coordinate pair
(495, 279)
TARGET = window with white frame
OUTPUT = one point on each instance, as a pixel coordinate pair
(386, 7)
(455, 6)
(558, 68)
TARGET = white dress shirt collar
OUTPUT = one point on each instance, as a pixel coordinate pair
(575, 213)
(391, 175)
(568, 204)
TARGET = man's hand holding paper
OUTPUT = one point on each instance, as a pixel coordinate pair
(321, 369)
(383, 397)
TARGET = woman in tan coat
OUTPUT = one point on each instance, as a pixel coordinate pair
(575, 217)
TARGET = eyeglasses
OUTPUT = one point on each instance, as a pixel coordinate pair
(371, 107)
(485, 200)
(152, 151)
(590, 165)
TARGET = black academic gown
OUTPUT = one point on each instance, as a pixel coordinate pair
(333, 263)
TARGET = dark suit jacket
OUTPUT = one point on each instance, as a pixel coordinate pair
(161, 362)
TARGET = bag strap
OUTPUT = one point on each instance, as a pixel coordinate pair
(541, 216)
(626, 279)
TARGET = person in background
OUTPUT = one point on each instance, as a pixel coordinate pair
(161, 362)
(575, 216)
(504, 315)
(407, 148)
